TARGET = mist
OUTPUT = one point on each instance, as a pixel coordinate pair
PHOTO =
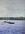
(12, 8)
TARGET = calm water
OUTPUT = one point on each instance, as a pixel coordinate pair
(17, 28)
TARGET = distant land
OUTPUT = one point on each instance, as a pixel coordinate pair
(12, 18)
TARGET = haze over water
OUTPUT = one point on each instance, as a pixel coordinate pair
(12, 8)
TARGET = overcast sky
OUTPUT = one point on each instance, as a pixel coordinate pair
(12, 8)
